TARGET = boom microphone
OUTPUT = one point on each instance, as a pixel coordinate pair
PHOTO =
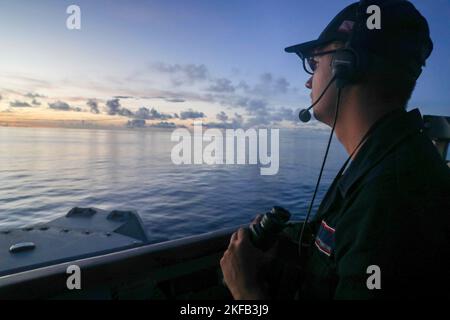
(304, 114)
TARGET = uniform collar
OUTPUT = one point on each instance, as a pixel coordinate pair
(389, 132)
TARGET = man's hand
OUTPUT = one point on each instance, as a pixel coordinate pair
(241, 265)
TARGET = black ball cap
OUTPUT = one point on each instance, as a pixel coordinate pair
(404, 32)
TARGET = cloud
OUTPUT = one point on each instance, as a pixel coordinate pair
(222, 116)
(261, 115)
(123, 97)
(114, 108)
(63, 106)
(243, 86)
(284, 114)
(176, 100)
(254, 100)
(256, 106)
(59, 105)
(35, 102)
(136, 123)
(243, 95)
(19, 104)
(164, 124)
(256, 110)
(153, 114)
(191, 114)
(222, 85)
(259, 118)
(93, 105)
(182, 74)
(236, 122)
(125, 112)
(269, 85)
(195, 72)
(218, 125)
(34, 95)
(281, 85)
(269, 116)
(251, 105)
(1, 97)
(140, 123)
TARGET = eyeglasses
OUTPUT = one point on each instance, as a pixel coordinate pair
(309, 64)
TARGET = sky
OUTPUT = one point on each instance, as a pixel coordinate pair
(172, 62)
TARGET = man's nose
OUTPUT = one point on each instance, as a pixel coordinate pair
(308, 83)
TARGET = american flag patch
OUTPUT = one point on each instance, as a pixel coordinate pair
(325, 238)
(346, 26)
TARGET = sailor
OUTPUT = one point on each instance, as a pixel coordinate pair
(383, 228)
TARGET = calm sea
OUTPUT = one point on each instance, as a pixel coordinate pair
(46, 172)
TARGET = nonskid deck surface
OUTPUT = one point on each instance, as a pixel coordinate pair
(82, 232)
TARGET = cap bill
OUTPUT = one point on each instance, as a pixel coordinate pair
(305, 48)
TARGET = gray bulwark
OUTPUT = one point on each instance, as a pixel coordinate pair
(81, 233)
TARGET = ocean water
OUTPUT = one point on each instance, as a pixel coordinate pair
(45, 172)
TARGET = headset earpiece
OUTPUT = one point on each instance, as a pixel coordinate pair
(344, 66)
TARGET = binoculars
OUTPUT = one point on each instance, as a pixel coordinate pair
(264, 233)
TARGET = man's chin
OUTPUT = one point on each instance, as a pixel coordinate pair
(320, 117)
(317, 115)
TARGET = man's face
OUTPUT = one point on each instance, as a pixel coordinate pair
(323, 111)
